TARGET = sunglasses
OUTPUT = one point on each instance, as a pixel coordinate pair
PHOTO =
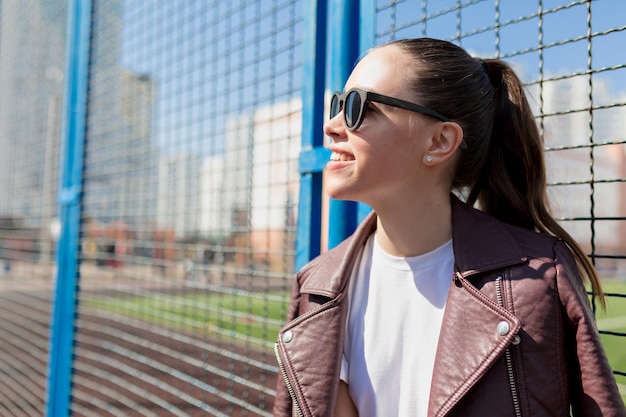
(354, 103)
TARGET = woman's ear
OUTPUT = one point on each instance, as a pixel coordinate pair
(445, 140)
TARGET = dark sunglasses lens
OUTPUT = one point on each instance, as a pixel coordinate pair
(335, 107)
(352, 109)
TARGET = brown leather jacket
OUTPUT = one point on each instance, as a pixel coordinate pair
(518, 337)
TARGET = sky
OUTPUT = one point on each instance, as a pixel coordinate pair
(564, 32)
(214, 60)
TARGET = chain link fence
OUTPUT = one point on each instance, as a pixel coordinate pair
(191, 182)
(189, 207)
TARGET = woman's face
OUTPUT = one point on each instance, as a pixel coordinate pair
(381, 161)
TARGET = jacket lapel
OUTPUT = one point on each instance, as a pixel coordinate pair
(317, 373)
(469, 343)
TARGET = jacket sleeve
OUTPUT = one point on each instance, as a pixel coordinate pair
(593, 389)
(282, 402)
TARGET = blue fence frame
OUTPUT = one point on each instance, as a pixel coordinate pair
(69, 203)
(344, 33)
(313, 155)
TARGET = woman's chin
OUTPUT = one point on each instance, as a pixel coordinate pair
(343, 188)
(336, 193)
(341, 193)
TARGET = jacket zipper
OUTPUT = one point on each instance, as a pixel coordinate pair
(508, 357)
(297, 411)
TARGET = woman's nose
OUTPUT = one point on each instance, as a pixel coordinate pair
(335, 128)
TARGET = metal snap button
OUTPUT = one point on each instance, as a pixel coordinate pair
(287, 336)
(503, 328)
(516, 340)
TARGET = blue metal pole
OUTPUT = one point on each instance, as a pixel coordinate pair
(344, 52)
(69, 208)
(313, 156)
(367, 25)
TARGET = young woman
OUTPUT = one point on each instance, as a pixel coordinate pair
(432, 307)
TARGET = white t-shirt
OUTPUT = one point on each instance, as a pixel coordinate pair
(395, 312)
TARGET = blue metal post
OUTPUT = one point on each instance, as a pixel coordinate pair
(313, 156)
(367, 25)
(69, 207)
(344, 52)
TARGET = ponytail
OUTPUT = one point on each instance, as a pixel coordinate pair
(511, 185)
(503, 166)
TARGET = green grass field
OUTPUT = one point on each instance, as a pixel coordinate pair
(248, 317)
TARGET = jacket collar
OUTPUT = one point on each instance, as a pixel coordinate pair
(480, 243)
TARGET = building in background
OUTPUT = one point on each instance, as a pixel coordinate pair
(178, 194)
(120, 158)
(32, 61)
(249, 195)
(275, 182)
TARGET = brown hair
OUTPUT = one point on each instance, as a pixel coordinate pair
(503, 166)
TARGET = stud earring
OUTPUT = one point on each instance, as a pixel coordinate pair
(429, 158)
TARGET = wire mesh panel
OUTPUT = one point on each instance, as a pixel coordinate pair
(191, 178)
(32, 55)
(565, 51)
(191, 182)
